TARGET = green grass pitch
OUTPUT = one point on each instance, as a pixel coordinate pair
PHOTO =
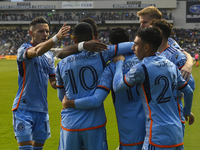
(8, 90)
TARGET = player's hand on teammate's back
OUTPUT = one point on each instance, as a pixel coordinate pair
(94, 46)
(118, 58)
(191, 118)
(63, 32)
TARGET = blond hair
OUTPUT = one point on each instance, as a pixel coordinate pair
(152, 11)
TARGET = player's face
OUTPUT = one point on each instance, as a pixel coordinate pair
(139, 48)
(40, 33)
(145, 21)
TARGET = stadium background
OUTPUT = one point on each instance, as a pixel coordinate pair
(14, 24)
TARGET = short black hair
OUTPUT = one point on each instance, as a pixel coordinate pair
(164, 26)
(38, 20)
(151, 36)
(118, 35)
(83, 32)
(93, 24)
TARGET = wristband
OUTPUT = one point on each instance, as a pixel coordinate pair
(80, 46)
(55, 39)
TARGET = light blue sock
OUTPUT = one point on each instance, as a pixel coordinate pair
(37, 148)
(26, 147)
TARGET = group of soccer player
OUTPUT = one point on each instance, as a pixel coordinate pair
(143, 77)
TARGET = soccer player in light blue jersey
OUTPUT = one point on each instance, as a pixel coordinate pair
(178, 58)
(157, 79)
(145, 16)
(128, 105)
(35, 69)
(77, 77)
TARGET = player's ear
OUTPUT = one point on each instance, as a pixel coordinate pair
(30, 32)
(147, 47)
(75, 41)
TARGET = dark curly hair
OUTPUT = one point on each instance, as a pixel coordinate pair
(151, 36)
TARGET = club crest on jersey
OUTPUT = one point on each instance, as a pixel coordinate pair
(49, 61)
(20, 127)
(181, 63)
(176, 57)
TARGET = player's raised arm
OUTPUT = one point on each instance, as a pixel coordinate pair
(45, 45)
(93, 46)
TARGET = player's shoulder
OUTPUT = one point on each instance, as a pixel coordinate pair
(170, 40)
(172, 50)
(25, 45)
(156, 60)
(173, 43)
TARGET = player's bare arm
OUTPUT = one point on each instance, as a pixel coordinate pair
(187, 68)
(66, 103)
(52, 81)
(45, 46)
(93, 46)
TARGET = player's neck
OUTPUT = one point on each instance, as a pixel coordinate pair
(163, 45)
(33, 43)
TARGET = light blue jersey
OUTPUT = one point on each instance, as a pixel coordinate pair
(175, 56)
(33, 77)
(157, 79)
(128, 105)
(129, 110)
(179, 59)
(78, 76)
(174, 44)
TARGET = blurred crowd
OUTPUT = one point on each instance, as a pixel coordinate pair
(75, 16)
(12, 39)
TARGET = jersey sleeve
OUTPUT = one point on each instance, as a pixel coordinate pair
(191, 82)
(119, 49)
(134, 76)
(174, 44)
(188, 93)
(59, 84)
(101, 92)
(179, 59)
(22, 52)
(52, 66)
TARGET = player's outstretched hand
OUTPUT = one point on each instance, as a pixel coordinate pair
(186, 72)
(63, 32)
(66, 103)
(94, 46)
(190, 117)
(118, 58)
